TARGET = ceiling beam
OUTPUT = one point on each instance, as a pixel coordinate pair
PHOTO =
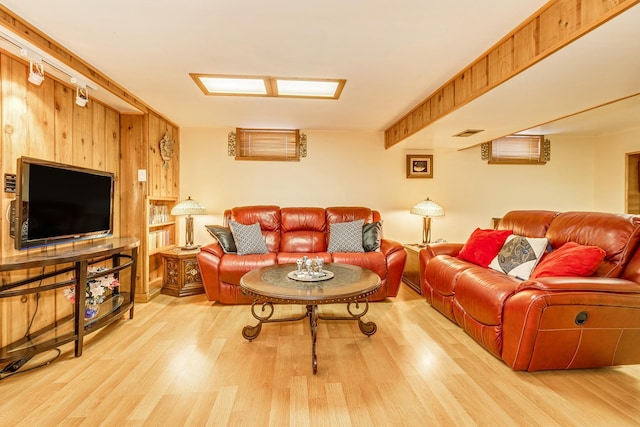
(555, 25)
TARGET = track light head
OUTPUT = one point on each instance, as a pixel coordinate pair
(82, 96)
(36, 73)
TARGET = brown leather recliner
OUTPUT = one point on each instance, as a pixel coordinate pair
(289, 234)
(547, 322)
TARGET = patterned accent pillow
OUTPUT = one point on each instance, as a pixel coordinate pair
(519, 256)
(224, 237)
(346, 236)
(248, 238)
(371, 236)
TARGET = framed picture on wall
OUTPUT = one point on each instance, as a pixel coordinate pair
(419, 166)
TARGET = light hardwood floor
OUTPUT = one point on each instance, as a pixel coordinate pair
(183, 361)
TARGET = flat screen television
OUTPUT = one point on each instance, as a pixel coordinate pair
(57, 203)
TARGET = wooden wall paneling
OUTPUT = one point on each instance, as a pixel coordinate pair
(82, 138)
(94, 136)
(134, 156)
(45, 307)
(40, 121)
(98, 136)
(13, 137)
(112, 161)
(63, 123)
(14, 112)
(162, 184)
(162, 179)
(173, 182)
(152, 166)
(168, 176)
(14, 314)
(155, 275)
(14, 108)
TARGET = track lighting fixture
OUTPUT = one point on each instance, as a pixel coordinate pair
(36, 73)
(82, 96)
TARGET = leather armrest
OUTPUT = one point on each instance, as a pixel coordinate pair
(585, 284)
(213, 248)
(387, 247)
(435, 249)
(396, 258)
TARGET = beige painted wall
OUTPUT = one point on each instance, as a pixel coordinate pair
(610, 178)
(353, 168)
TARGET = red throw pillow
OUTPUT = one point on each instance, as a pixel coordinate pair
(570, 259)
(483, 246)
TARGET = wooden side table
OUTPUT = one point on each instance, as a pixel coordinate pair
(181, 273)
(411, 275)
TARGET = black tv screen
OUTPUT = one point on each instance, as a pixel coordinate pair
(57, 203)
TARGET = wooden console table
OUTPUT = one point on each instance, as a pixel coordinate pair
(61, 268)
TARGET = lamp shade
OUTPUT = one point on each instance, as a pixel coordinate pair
(427, 208)
(189, 207)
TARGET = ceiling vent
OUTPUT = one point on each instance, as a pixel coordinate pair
(468, 132)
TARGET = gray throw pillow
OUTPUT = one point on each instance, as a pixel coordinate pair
(224, 237)
(346, 237)
(248, 238)
(371, 236)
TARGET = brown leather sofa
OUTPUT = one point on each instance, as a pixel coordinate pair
(289, 234)
(547, 322)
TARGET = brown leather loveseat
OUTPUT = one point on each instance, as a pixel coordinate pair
(547, 322)
(290, 233)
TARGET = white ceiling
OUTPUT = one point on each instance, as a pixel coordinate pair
(393, 55)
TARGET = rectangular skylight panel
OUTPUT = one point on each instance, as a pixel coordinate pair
(240, 86)
(325, 89)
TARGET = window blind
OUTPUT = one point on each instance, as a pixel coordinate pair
(516, 149)
(267, 144)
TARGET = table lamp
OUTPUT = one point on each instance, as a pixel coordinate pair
(427, 209)
(189, 207)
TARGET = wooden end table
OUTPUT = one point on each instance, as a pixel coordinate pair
(411, 275)
(181, 273)
(350, 284)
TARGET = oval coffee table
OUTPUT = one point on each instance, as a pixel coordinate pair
(350, 284)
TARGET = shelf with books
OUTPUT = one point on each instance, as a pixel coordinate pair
(161, 235)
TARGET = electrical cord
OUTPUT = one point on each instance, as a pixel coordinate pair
(13, 368)
(33, 316)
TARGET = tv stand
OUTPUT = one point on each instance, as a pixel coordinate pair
(59, 268)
